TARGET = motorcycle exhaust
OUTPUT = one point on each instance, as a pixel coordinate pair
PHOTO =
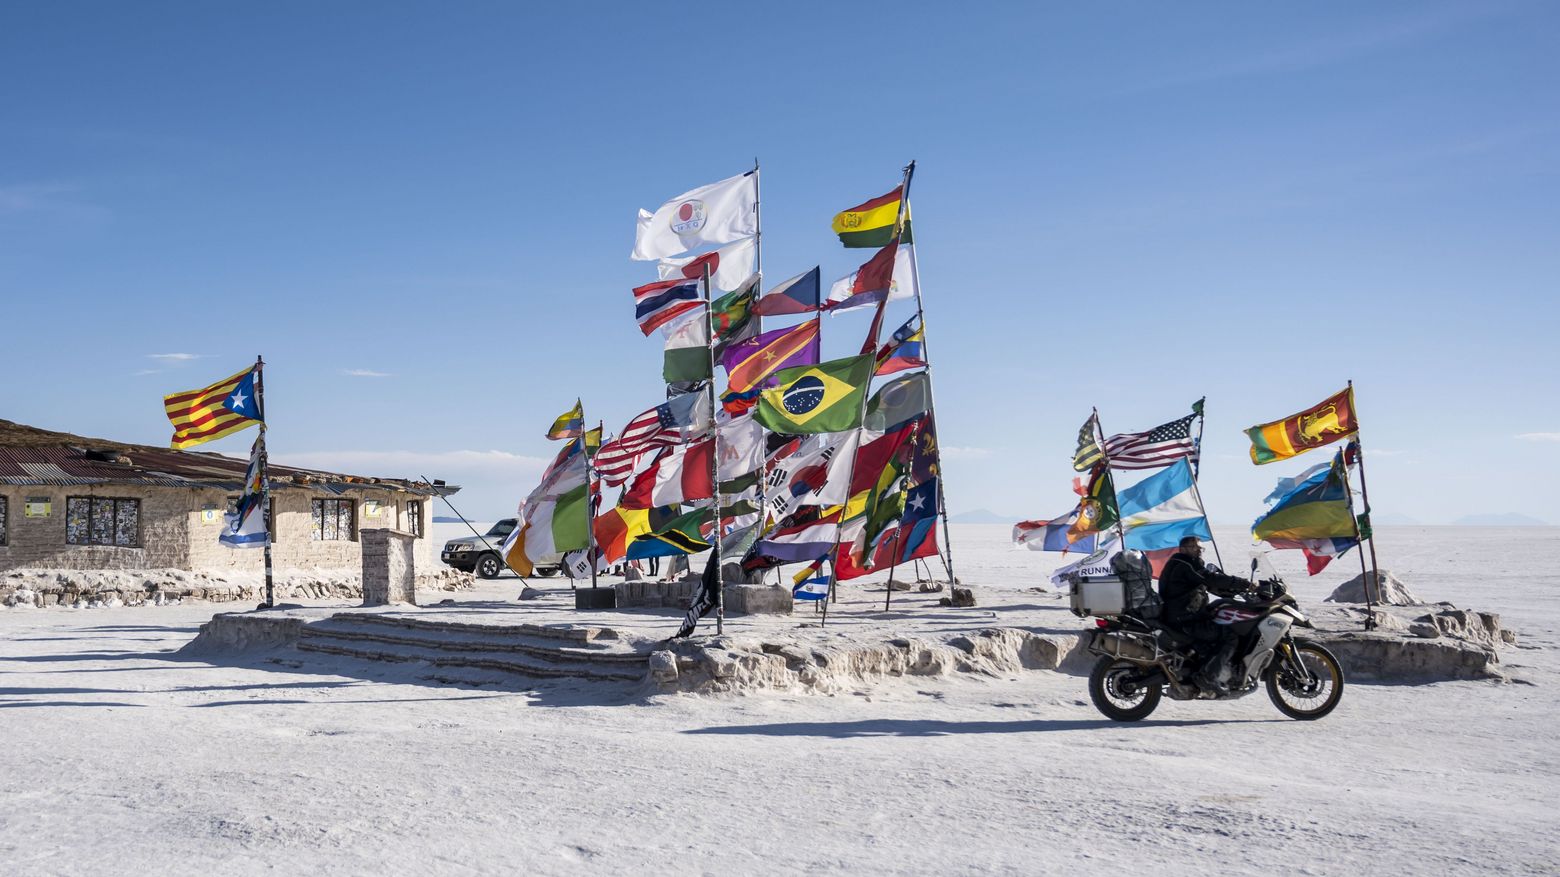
(1121, 645)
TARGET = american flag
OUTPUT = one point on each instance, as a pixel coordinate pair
(669, 424)
(1160, 446)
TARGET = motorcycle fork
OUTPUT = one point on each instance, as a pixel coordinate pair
(1291, 657)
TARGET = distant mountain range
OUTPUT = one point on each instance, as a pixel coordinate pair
(1503, 519)
(981, 516)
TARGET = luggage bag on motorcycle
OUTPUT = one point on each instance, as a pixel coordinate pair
(1129, 592)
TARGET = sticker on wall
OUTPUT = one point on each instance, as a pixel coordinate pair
(37, 507)
(372, 508)
(210, 514)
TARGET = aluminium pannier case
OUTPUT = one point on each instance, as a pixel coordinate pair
(1099, 595)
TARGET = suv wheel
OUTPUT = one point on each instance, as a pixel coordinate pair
(489, 566)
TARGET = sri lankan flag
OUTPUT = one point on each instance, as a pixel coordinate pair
(816, 398)
(199, 416)
(1319, 425)
(871, 224)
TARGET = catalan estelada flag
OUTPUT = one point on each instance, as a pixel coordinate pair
(872, 224)
(1319, 425)
(212, 412)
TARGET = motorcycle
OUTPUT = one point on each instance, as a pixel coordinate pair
(1142, 659)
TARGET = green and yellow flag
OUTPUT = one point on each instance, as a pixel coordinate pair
(872, 224)
(1097, 510)
(1319, 425)
(816, 398)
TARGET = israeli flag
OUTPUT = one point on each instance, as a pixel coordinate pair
(244, 527)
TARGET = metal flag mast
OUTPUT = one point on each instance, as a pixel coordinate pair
(1373, 585)
(265, 481)
(926, 354)
(590, 501)
(758, 292)
(1196, 461)
(709, 389)
(1099, 441)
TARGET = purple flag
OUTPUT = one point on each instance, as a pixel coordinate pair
(750, 363)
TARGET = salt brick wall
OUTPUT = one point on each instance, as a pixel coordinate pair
(173, 534)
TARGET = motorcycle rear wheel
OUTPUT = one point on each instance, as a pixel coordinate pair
(1306, 699)
(1115, 697)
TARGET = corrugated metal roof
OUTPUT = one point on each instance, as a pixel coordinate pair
(43, 458)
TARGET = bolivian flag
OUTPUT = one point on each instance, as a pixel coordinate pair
(817, 398)
(1314, 427)
(872, 224)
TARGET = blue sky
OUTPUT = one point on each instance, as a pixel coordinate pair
(421, 215)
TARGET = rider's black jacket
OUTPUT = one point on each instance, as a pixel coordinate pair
(1185, 583)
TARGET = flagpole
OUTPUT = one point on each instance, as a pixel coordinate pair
(1359, 547)
(926, 354)
(265, 481)
(758, 293)
(915, 436)
(1375, 583)
(1196, 463)
(720, 573)
(839, 526)
(590, 501)
(1099, 432)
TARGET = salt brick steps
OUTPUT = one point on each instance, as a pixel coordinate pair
(533, 651)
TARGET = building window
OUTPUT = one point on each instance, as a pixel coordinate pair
(414, 522)
(333, 520)
(101, 520)
(4, 508)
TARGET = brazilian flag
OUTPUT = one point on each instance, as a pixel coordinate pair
(817, 398)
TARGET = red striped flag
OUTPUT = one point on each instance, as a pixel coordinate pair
(656, 304)
(1160, 446)
(661, 426)
(212, 412)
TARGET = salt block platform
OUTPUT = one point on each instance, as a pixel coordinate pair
(485, 641)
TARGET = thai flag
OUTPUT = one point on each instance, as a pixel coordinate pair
(656, 304)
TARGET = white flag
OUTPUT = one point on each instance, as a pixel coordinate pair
(741, 447)
(902, 285)
(709, 215)
(814, 474)
(1096, 564)
(734, 264)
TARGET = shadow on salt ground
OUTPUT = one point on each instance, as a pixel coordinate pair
(938, 728)
(90, 656)
(8, 704)
(334, 701)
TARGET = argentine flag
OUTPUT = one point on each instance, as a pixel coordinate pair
(1158, 511)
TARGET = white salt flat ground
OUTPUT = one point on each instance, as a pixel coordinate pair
(119, 759)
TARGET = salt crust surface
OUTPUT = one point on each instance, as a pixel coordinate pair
(121, 758)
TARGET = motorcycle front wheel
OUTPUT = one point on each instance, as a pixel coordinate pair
(1116, 696)
(1307, 682)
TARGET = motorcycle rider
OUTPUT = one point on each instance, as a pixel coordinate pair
(1184, 586)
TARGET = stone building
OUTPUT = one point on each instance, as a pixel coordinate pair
(68, 502)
